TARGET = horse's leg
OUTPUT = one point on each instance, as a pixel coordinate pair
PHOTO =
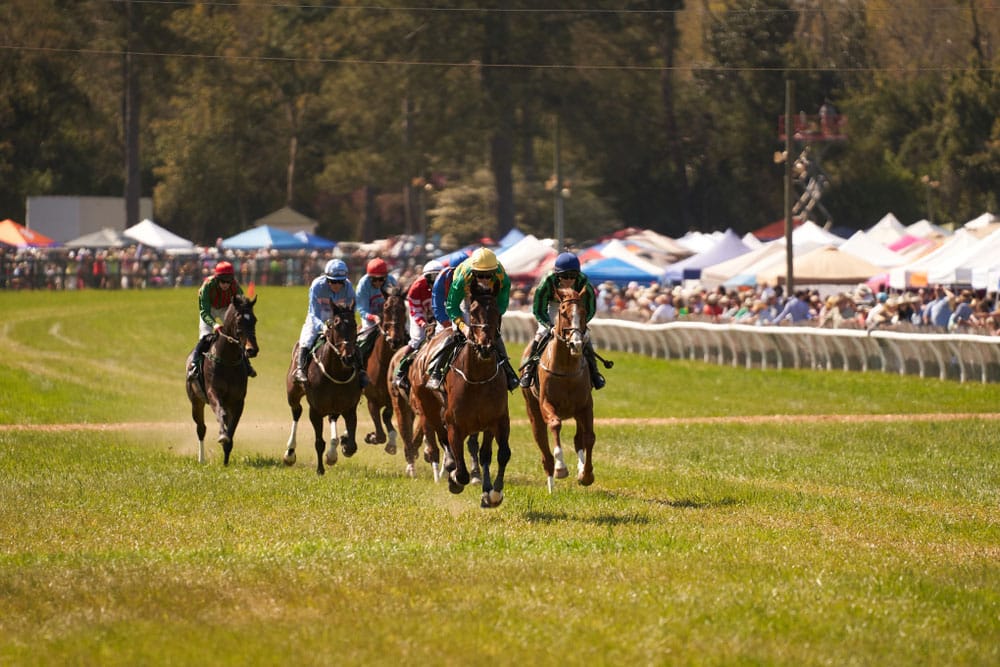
(316, 419)
(234, 421)
(484, 458)
(555, 429)
(459, 477)
(472, 445)
(584, 442)
(495, 496)
(289, 457)
(541, 435)
(410, 445)
(331, 447)
(390, 432)
(349, 441)
(376, 437)
(198, 415)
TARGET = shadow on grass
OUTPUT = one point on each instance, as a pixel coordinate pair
(624, 519)
(260, 461)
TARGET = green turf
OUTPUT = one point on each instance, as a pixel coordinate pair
(812, 542)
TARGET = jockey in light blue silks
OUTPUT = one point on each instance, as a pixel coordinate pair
(371, 297)
(545, 306)
(333, 288)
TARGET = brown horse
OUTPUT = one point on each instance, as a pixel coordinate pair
(222, 383)
(334, 389)
(474, 400)
(409, 411)
(563, 391)
(392, 335)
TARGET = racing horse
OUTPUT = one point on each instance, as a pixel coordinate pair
(222, 383)
(333, 389)
(563, 391)
(392, 335)
(474, 400)
(408, 409)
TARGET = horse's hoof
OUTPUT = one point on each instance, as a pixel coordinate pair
(225, 440)
(491, 499)
(562, 473)
(411, 472)
(374, 439)
(348, 450)
(455, 487)
(585, 479)
(331, 457)
(320, 471)
(390, 448)
(475, 479)
(289, 458)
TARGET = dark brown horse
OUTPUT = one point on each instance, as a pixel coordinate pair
(333, 390)
(474, 400)
(563, 391)
(392, 335)
(409, 412)
(222, 383)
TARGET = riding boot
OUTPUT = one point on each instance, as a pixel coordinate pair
(401, 378)
(303, 363)
(194, 368)
(528, 370)
(435, 370)
(359, 366)
(595, 377)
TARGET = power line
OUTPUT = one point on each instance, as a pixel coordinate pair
(117, 53)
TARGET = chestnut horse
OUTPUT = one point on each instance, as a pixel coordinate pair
(222, 383)
(334, 389)
(474, 400)
(392, 335)
(410, 416)
(563, 391)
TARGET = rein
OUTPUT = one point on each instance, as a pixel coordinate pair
(329, 377)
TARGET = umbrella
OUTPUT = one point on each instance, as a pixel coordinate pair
(20, 236)
(264, 236)
(314, 241)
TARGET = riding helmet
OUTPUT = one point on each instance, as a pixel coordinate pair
(335, 270)
(567, 261)
(377, 268)
(432, 267)
(224, 269)
(483, 259)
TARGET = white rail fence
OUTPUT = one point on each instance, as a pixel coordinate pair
(961, 357)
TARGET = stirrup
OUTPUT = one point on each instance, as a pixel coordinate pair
(193, 372)
(434, 381)
(598, 381)
(525, 381)
(300, 376)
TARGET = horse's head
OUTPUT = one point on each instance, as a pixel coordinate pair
(393, 326)
(484, 322)
(341, 333)
(241, 324)
(571, 322)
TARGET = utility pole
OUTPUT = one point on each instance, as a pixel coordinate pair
(130, 109)
(557, 193)
(789, 250)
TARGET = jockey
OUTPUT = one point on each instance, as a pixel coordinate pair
(482, 267)
(333, 288)
(214, 297)
(565, 273)
(418, 300)
(371, 298)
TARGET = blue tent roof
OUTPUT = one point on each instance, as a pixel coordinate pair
(315, 242)
(264, 237)
(617, 271)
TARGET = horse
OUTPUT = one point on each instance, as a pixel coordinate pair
(223, 379)
(563, 391)
(474, 400)
(409, 412)
(392, 335)
(333, 389)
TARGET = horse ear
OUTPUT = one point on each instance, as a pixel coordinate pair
(250, 291)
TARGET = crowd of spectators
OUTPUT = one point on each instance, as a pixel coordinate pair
(935, 309)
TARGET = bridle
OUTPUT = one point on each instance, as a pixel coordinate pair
(340, 342)
(572, 335)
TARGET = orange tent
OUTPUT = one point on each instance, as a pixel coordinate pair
(20, 236)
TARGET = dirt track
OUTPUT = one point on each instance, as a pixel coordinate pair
(612, 421)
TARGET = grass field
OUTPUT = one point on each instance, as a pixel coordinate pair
(827, 539)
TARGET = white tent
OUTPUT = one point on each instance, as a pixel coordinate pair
(621, 250)
(924, 228)
(810, 232)
(151, 234)
(886, 230)
(522, 259)
(826, 265)
(970, 265)
(916, 273)
(981, 221)
(860, 245)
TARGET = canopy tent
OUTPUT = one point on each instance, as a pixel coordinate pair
(19, 236)
(697, 242)
(775, 230)
(826, 265)
(287, 219)
(969, 266)
(727, 247)
(635, 253)
(104, 238)
(810, 232)
(264, 237)
(314, 242)
(659, 244)
(768, 262)
(915, 273)
(523, 260)
(618, 271)
(151, 234)
(718, 274)
(886, 230)
(511, 237)
(981, 221)
(924, 228)
(860, 245)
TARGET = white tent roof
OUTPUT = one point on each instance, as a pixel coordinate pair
(525, 255)
(616, 248)
(826, 265)
(955, 246)
(698, 242)
(925, 228)
(886, 230)
(718, 274)
(981, 221)
(860, 245)
(151, 234)
(810, 232)
(970, 265)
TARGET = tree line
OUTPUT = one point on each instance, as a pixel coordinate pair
(379, 120)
